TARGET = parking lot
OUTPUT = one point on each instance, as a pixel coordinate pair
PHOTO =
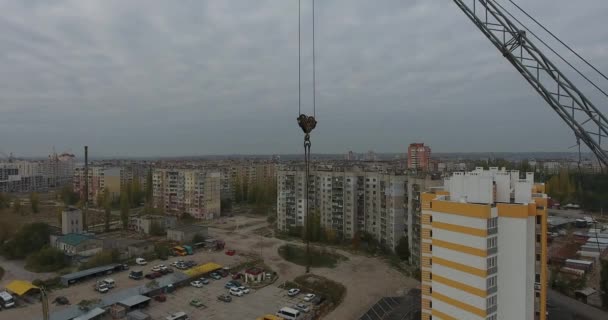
(254, 304)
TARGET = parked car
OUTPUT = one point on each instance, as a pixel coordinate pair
(293, 292)
(230, 252)
(196, 303)
(136, 275)
(230, 285)
(215, 276)
(302, 307)
(151, 276)
(308, 297)
(101, 287)
(204, 280)
(157, 274)
(224, 297)
(160, 298)
(318, 300)
(197, 284)
(244, 289)
(141, 261)
(156, 269)
(125, 266)
(223, 273)
(236, 292)
(110, 283)
(237, 276)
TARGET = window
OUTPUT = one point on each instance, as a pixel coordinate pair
(431, 275)
(538, 257)
(431, 233)
(431, 304)
(431, 261)
(537, 219)
(431, 247)
(491, 301)
(492, 242)
(430, 289)
(431, 218)
(492, 262)
(538, 238)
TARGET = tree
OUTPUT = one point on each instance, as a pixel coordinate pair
(17, 207)
(124, 209)
(149, 189)
(107, 207)
(48, 259)
(29, 238)
(35, 202)
(198, 238)
(68, 196)
(156, 229)
(101, 258)
(356, 241)
(604, 283)
(403, 249)
(5, 201)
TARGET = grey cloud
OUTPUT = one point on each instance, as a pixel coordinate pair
(209, 77)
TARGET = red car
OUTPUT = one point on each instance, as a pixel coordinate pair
(230, 252)
(157, 274)
(160, 298)
(237, 276)
(223, 273)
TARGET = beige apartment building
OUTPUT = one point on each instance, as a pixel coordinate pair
(192, 191)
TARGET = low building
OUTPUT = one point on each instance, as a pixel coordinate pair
(71, 221)
(144, 224)
(78, 244)
(134, 302)
(71, 278)
(185, 234)
(140, 248)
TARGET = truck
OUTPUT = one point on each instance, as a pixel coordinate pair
(6, 300)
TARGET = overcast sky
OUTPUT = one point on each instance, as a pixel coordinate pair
(161, 78)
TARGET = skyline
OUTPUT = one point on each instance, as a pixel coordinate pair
(154, 79)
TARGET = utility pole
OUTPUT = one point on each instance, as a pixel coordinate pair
(86, 187)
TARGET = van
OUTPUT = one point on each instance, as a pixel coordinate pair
(178, 316)
(109, 283)
(288, 313)
(6, 300)
(141, 261)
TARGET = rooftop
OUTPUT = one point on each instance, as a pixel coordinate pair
(189, 228)
(73, 239)
(134, 300)
(88, 272)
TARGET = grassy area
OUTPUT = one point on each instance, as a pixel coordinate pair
(321, 258)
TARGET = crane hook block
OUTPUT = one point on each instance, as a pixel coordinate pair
(307, 123)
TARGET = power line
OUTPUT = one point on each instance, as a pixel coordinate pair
(558, 39)
(550, 48)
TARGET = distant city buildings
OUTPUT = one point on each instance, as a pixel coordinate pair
(22, 176)
(418, 157)
(350, 156)
(99, 179)
(192, 191)
(484, 247)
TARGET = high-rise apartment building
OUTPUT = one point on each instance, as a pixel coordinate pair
(100, 178)
(418, 157)
(348, 200)
(415, 187)
(484, 247)
(240, 174)
(192, 191)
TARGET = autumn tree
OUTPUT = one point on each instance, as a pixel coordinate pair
(107, 208)
(124, 209)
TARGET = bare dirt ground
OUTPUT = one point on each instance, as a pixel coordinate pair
(14, 270)
(366, 279)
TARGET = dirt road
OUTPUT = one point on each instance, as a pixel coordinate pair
(14, 270)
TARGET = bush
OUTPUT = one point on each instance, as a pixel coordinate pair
(101, 258)
(320, 258)
(48, 259)
(30, 238)
(198, 238)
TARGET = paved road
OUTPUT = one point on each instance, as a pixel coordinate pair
(566, 308)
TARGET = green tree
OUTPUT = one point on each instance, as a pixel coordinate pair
(29, 238)
(356, 241)
(149, 187)
(35, 202)
(198, 238)
(403, 249)
(124, 209)
(5, 200)
(107, 208)
(226, 205)
(17, 207)
(156, 229)
(162, 251)
(68, 196)
(48, 259)
(604, 283)
(137, 195)
(101, 258)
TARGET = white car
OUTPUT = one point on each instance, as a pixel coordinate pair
(302, 307)
(244, 289)
(293, 292)
(236, 292)
(156, 269)
(309, 297)
(141, 261)
(197, 284)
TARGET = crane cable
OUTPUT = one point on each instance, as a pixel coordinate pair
(553, 50)
(559, 40)
(306, 123)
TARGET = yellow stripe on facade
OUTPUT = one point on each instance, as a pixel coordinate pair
(460, 248)
(471, 210)
(426, 233)
(459, 305)
(460, 229)
(426, 304)
(460, 267)
(508, 210)
(442, 315)
(426, 247)
(460, 286)
(425, 219)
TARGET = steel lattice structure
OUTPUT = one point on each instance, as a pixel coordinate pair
(579, 113)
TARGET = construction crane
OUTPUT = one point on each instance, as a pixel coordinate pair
(589, 125)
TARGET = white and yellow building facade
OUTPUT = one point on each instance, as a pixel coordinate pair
(483, 249)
